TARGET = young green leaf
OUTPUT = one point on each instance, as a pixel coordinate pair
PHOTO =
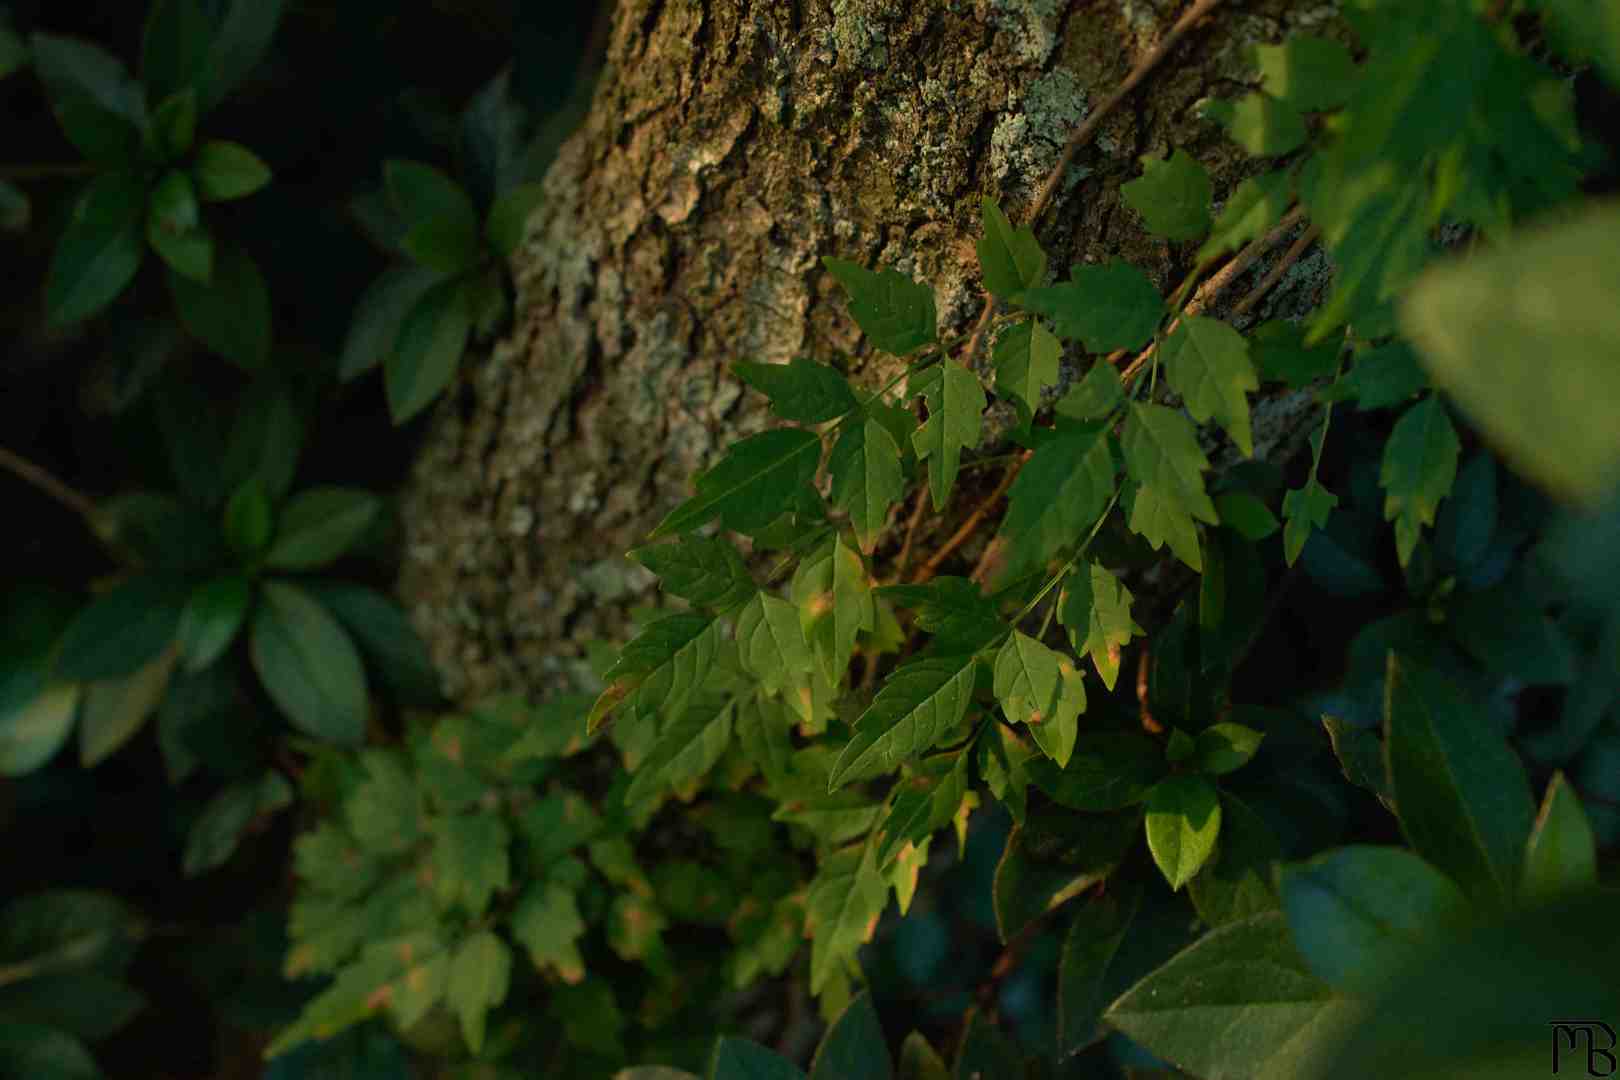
(1462, 795)
(231, 314)
(308, 664)
(213, 614)
(854, 1047)
(427, 350)
(1420, 463)
(188, 252)
(319, 525)
(833, 593)
(916, 706)
(115, 709)
(684, 752)
(841, 910)
(478, 982)
(751, 486)
(1026, 359)
(866, 478)
(1163, 457)
(1259, 123)
(707, 572)
(956, 405)
(441, 224)
(547, 923)
(100, 249)
(249, 519)
(1207, 363)
(121, 630)
(1305, 509)
(1358, 912)
(1183, 821)
(1311, 73)
(801, 390)
(1057, 496)
(1255, 206)
(895, 313)
(1561, 854)
(1107, 307)
(1096, 608)
(1012, 260)
(1172, 196)
(470, 862)
(227, 170)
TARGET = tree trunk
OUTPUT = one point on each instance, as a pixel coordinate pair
(730, 145)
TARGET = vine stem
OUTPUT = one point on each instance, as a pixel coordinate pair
(1290, 257)
(44, 480)
(928, 569)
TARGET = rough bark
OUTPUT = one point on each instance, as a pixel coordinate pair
(730, 145)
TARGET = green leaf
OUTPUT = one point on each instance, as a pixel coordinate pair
(801, 390)
(188, 252)
(106, 138)
(1163, 457)
(1108, 770)
(231, 314)
(854, 1047)
(1096, 608)
(1054, 856)
(895, 313)
(227, 170)
(1561, 854)
(1012, 260)
(385, 636)
(1207, 363)
(100, 249)
(45, 1053)
(1107, 307)
(1463, 798)
(547, 923)
(771, 640)
(841, 910)
(741, 1059)
(319, 525)
(984, 1050)
(833, 592)
(72, 69)
(1361, 758)
(374, 328)
(1237, 881)
(470, 863)
(1089, 960)
(1486, 329)
(1058, 495)
(658, 671)
(751, 486)
(1095, 396)
(121, 630)
(1224, 747)
(213, 614)
(240, 43)
(174, 125)
(920, 1061)
(685, 751)
(1357, 912)
(85, 1004)
(1183, 820)
(266, 437)
(1259, 123)
(16, 211)
(1026, 359)
(1246, 515)
(248, 519)
(1172, 196)
(308, 664)
(478, 981)
(956, 404)
(866, 478)
(1381, 378)
(427, 349)
(442, 225)
(1419, 465)
(1464, 528)
(1280, 354)
(35, 724)
(952, 609)
(919, 703)
(1255, 206)
(174, 46)
(1311, 73)
(707, 572)
(923, 803)
(508, 221)
(217, 832)
(1305, 509)
(1239, 1002)
(115, 709)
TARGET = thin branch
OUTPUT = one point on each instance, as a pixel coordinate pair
(966, 529)
(45, 481)
(911, 534)
(1290, 257)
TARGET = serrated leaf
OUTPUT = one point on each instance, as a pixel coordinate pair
(99, 251)
(230, 315)
(684, 752)
(1162, 453)
(1419, 465)
(801, 390)
(841, 910)
(428, 349)
(226, 170)
(1207, 363)
(1280, 355)
(1311, 73)
(1096, 608)
(924, 803)
(1380, 378)
(1461, 793)
(956, 404)
(478, 981)
(708, 572)
(916, 706)
(751, 486)
(866, 478)
(1012, 260)
(1107, 307)
(833, 593)
(1171, 195)
(1026, 359)
(657, 672)
(547, 923)
(1027, 678)
(470, 863)
(771, 640)
(1183, 821)
(1095, 396)
(1158, 519)
(317, 526)
(308, 664)
(1255, 206)
(1560, 855)
(1357, 913)
(895, 313)
(1305, 509)
(1259, 123)
(1056, 498)
(961, 618)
